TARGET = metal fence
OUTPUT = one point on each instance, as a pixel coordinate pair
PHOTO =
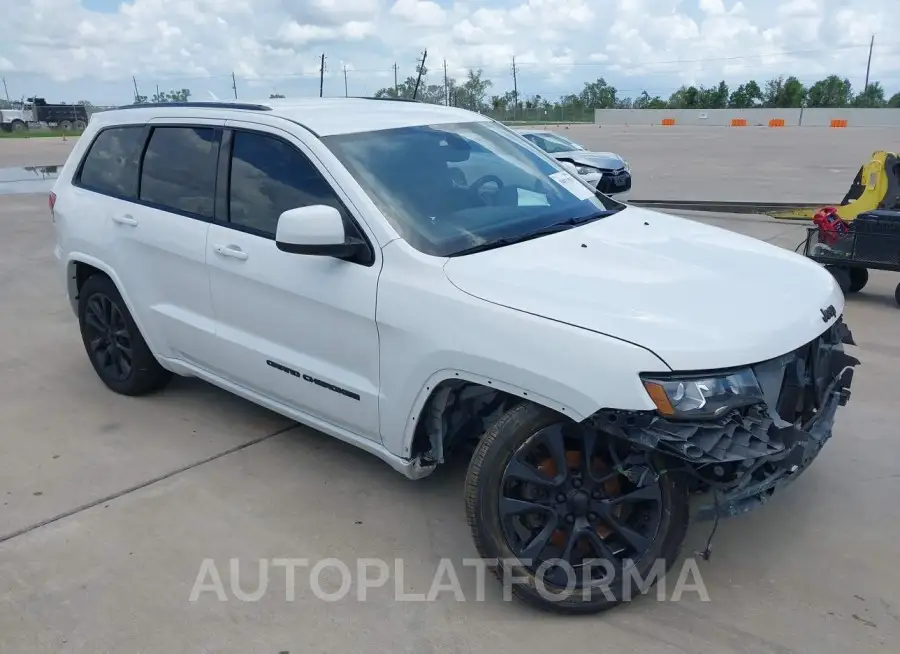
(553, 114)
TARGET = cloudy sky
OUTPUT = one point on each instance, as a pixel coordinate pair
(69, 50)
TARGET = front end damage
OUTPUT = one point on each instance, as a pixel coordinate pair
(741, 459)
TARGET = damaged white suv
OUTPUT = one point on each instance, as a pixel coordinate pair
(418, 280)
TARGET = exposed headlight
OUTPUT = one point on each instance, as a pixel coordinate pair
(626, 166)
(704, 396)
(586, 170)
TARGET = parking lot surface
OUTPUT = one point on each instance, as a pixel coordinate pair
(110, 505)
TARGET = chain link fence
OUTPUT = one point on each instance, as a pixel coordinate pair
(534, 115)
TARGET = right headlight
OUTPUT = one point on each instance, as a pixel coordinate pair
(586, 170)
(702, 396)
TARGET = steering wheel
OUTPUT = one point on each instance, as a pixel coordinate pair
(475, 186)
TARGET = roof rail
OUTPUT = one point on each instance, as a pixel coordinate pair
(369, 97)
(200, 105)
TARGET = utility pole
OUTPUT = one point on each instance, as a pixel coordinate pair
(515, 88)
(6, 91)
(396, 88)
(136, 93)
(322, 75)
(868, 67)
(346, 92)
(234, 85)
(446, 86)
(419, 78)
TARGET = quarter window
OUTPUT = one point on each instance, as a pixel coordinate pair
(270, 176)
(179, 169)
(110, 166)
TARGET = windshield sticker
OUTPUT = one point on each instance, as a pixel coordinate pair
(572, 185)
(532, 198)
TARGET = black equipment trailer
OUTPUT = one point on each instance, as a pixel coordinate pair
(873, 243)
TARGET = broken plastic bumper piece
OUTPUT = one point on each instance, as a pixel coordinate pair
(748, 454)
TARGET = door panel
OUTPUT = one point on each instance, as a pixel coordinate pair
(297, 328)
(159, 243)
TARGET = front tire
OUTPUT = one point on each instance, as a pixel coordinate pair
(118, 352)
(555, 500)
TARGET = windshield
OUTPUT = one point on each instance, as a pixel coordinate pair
(450, 187)
(552, 143)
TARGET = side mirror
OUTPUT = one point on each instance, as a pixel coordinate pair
(315, 230)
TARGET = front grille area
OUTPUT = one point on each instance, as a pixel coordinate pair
(796, 386)
(615, 183)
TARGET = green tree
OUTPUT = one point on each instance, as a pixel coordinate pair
(871, 97)
(171, 96)
(894, 101)
(830, 92)
(745, 96)
(784, 93)
(598, 95)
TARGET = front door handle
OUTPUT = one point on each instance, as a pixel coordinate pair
(232, 251)
(126, 219)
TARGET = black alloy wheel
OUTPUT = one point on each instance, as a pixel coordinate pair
(108, 336)
(117, 350)
(584, 514)
(571, 499)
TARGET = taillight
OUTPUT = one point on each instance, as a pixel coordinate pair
(52, 202)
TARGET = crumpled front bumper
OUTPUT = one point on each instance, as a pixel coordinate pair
(743, 458)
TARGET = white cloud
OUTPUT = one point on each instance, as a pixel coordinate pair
(558, 44)
(423, 13)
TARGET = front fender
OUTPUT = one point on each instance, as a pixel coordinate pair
(430, 331)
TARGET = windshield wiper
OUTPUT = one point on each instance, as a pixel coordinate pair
(553, 228)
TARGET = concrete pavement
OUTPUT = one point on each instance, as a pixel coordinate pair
(150, 488)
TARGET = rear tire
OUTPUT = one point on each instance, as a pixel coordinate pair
(115, 346)
(80, 125)
(859, 277)
(897, 294)
(585, 512)
(65, 125)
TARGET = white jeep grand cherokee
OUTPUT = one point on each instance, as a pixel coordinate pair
(417, 279)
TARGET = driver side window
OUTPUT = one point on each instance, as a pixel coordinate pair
(269, 176)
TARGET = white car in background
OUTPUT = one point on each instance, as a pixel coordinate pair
(607, 171)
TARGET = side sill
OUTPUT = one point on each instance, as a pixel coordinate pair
(410, 468)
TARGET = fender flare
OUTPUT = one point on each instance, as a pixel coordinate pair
(448, 374)
(72, 260)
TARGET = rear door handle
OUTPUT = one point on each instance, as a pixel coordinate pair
(232, 251)
(126, 219)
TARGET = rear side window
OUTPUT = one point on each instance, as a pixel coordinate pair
(111, 164)
(179, 169)
(268, 177)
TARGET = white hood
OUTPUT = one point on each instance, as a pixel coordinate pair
(699, 297)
